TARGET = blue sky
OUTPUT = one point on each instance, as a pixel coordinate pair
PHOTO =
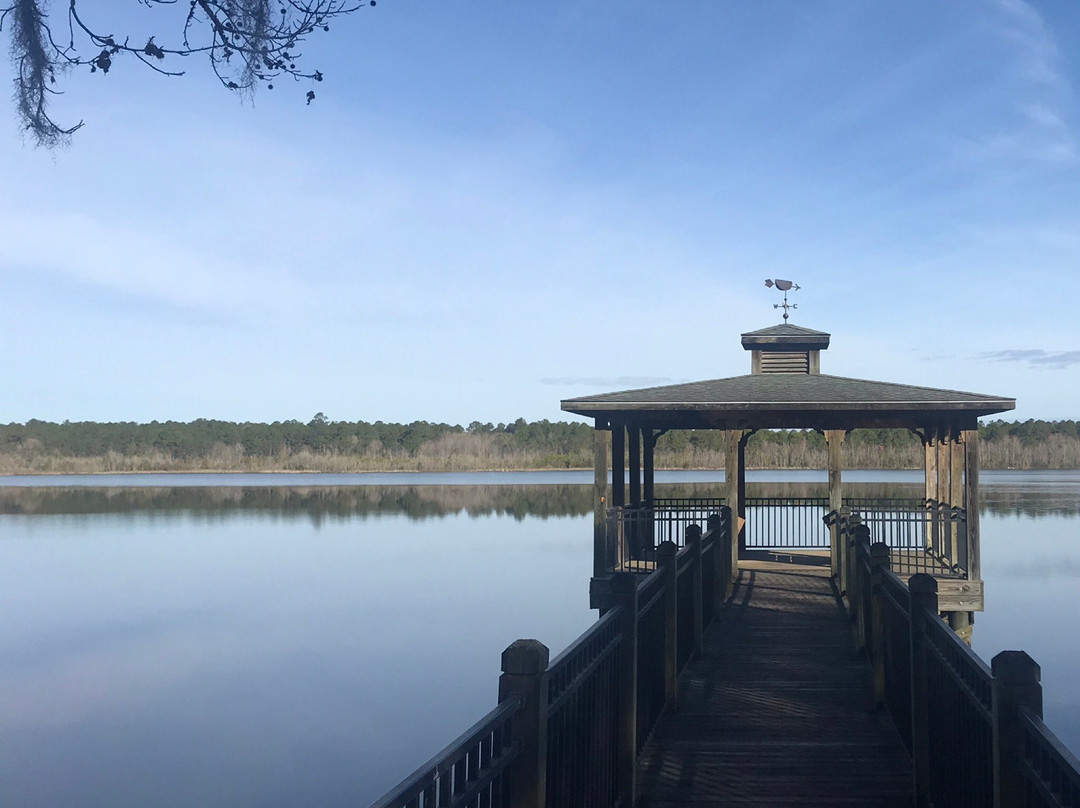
(493, 205)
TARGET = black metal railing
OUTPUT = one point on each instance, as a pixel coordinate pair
(651, 684)
(469, 772)
(894, 646)
(674, 514)
(786, 523)
(930, 537)
(1051, 773)
(974, 731)
(582, 716)
(960, 718)
(568, 732)
(922, 535)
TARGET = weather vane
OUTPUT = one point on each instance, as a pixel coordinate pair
(785, 287)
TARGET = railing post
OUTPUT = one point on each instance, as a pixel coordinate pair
(832, 521)
(847, 528)
(625, 586)
(697, 608)
(859, 590)
(924, 602)
(720, 577)
(728, 534)
(1016, 686)
(666, 556)
(524, 675)
(879, 562)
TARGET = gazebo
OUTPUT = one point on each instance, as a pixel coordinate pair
(785, 389)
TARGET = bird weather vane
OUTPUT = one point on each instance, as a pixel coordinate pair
(785, 287)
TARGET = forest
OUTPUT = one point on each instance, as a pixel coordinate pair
(346, 446)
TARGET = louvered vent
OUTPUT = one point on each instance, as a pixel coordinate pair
(785, 362)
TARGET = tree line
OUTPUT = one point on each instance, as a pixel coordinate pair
(325, 445)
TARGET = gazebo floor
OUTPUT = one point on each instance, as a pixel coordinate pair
(777, 710)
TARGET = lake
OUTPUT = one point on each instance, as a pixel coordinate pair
(310, 639)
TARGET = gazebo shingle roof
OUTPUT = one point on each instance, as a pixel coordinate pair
(787, 391)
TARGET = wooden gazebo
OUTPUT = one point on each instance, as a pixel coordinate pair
(786, 390)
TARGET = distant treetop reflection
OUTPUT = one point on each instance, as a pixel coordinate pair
(434, 501)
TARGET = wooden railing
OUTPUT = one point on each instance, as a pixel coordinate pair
(975, 732)
(568, 733)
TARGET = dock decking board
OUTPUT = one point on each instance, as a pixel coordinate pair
(777, 711)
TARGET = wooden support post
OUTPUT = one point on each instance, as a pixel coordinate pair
(835, 440)
(923, 589)
(624, 585)
(944, 465)
(930, 462)
(633, 445)
(665, 555)
(930, 476)
(731, 487)
(601, 449)
(524, 676)
(731, 482)
(880, 560)
(960, 622)
(741, 521)
(618, 464)
(956, 490)
(693, 541)
(648, 443)
(1016, 686)
(971, 502)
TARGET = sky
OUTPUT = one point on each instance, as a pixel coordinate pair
(494, 205)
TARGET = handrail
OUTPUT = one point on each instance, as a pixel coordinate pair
(1047, 765)
(443, 779)
(974, 730)
(571, 667)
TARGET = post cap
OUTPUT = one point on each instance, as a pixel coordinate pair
(879, 549)
(525, 658)
(1015, 667)
(667, 549)
(922, 584)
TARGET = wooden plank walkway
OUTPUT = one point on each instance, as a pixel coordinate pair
(777, 711)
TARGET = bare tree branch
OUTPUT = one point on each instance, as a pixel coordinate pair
(247, 42)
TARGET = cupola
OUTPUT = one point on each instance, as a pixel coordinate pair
(785, 349)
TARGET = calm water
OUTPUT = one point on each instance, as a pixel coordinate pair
(308, 640)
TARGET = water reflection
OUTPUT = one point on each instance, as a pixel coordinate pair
(309, 645)
(428, 501)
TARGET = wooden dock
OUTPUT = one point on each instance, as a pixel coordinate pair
(777, 710)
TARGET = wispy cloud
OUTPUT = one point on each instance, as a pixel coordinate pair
(1041, 132)
(1035, 357)
(608, 381)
